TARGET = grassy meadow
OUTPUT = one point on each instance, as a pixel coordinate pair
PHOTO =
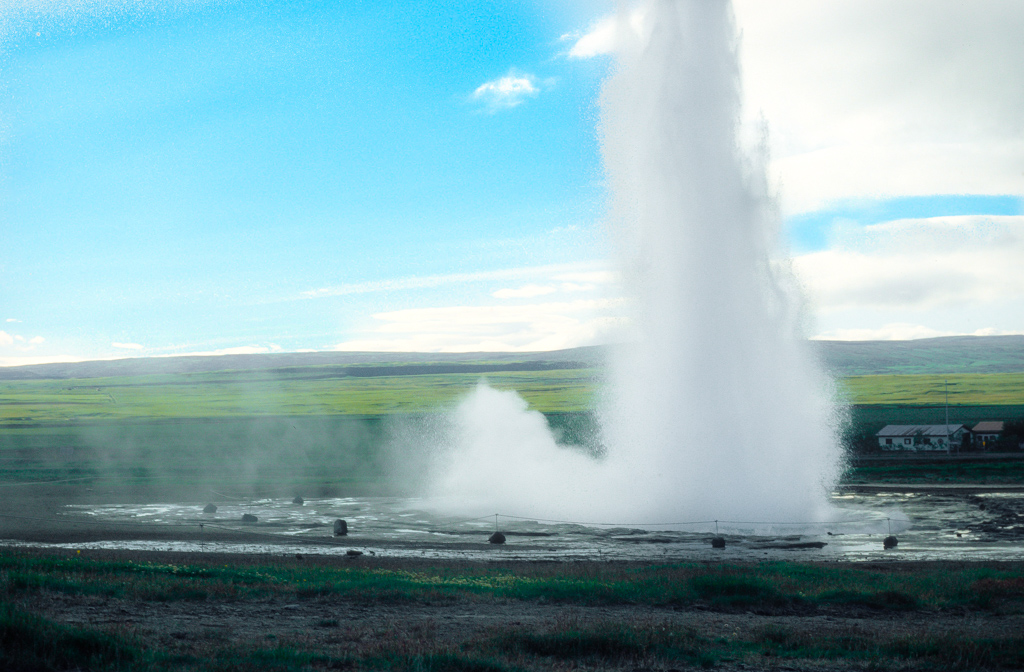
(345, 429)
(636, 634)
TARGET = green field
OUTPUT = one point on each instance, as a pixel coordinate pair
(643, 626)
(965, 389)
(302, 391)
(337, 429)
(325, 391)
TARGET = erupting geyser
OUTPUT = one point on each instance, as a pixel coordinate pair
(716, 409)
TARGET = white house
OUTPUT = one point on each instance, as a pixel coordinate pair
(920, 437)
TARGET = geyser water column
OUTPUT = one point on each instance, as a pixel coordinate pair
(715, 408)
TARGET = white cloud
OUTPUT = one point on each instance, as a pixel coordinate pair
(918, 278)
(12, 319)
(938, 262)
(599, 40)
(878, 98)
(24, 360)
(20, 341)
(524, 292)
(522, 328)
(128, 346)
(239, 350)
(602, 38)
(508, 91)
(589, 277)
(576, 287)
(896, 331)
(899, 331)
(558, 271)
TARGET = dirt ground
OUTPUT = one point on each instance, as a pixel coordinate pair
(338, 626)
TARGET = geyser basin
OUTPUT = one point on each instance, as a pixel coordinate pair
(715, 409)
(401, 528)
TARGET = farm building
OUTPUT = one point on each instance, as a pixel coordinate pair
(920, 437)
(987, 433)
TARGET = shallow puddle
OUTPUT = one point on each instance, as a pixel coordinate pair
(929, 526)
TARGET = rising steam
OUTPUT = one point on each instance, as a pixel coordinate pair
(716, 409)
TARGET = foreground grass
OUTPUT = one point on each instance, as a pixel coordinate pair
(31, 643)
(768, 586)
(988, 473)
(28, 642)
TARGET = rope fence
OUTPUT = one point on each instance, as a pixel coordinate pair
(650, 527)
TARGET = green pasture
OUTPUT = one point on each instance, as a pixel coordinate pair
(952, 587)
(333, 429)
(965, 389)
(323, 391)
(305, 391)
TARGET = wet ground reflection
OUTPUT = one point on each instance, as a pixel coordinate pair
(930, 526)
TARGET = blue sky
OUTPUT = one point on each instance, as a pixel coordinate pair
(186, 177)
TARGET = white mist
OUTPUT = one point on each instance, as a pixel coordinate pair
(716, 409)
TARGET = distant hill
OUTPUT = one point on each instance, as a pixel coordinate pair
(950, 354)
(368, 363)
(953, 354)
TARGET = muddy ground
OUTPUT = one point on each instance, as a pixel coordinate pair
(336, 626)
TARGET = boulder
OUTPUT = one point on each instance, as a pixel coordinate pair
(497, 538)
(353, 553)
(298, 500)
(249, 518)
(210, 508)
(890, 542)
(718, 542)
(340, 528)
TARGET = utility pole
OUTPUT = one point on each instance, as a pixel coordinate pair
(947, 417)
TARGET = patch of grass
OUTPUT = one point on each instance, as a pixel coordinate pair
(725, 586)
(735, 590)
(28, 642)
(887, 599)
(965, 389)
(611, 642)
(943, 652)
(938, 472)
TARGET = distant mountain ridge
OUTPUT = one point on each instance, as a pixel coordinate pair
(950, 354)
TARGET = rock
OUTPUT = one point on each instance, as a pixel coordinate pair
(298, 500)
(298, 556)
(210, 508)
(890, 542)
(352, 553)
(718, 542)
(249, 518)
(497, 538)
(340, 528)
